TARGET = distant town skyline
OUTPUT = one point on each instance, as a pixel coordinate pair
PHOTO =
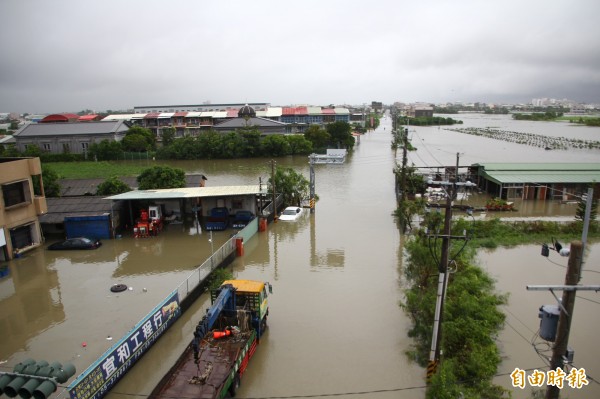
(68, 55)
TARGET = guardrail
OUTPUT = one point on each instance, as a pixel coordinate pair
(204, 270)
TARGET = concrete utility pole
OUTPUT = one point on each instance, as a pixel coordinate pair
(274, 195)
(403, 171)
(566, 315)
(311, 200)
(434, 354)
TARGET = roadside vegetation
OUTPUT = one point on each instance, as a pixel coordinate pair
(472, 320)
(538, 116)
(472, 314)
(427, 121)
(582, 120)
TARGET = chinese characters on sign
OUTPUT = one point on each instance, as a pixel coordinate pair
(575, 379)
(97, 380)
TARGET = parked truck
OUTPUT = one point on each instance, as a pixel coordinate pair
(224, 341)
(218, 219)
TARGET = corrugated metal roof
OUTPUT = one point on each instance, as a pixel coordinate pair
(542, 173)
(242, 122)
(188, 192)
(183, 113)
(328, 111)
(207, 114)
(220, 114)
(342, 111)
(530, 166)
(314, 110)
(542, 177)
(273, 112)
(193, 114)
(87, 117)
(152, 115)
(232, 113)
(164, 115)
(58, 208)
(121, 117)
(73, 128)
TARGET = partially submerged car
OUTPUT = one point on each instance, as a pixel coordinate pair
(291, 213)
(242, 218)
(76, 243)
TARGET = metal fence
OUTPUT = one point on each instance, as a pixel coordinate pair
(204, 270)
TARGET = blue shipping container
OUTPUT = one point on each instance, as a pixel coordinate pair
(96, 226)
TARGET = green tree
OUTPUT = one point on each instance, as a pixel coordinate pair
(292, 185)
(106, 150)
(158, 177)
(139, 139)
(112, 186)
(275, 145)
(135, 143)
(232, 146)
(299, 144)
(32, 150)
(168, 135)
(341, 134)
(318, 136)
(251, 138)
(50, 180)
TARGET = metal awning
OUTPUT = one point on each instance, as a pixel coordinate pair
(189, 192)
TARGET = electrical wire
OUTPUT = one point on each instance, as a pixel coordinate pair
(427, 149)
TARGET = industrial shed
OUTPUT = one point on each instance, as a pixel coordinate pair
(536, 181)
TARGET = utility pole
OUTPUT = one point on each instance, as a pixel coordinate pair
(566, 316)
(567, 305)
(274, 195)
(436, 338)
(403, 172)
(311, 200)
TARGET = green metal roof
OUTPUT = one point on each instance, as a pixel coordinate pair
(543, 173)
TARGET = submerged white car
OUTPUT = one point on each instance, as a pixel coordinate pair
(291, 213)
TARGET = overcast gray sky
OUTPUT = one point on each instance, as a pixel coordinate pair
(65, 56)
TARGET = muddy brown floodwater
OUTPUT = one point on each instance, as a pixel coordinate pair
(335, 326)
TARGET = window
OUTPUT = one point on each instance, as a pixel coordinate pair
(85, 146)
(16, 193)
(47, 147)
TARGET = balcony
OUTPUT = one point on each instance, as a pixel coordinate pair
(41, 207)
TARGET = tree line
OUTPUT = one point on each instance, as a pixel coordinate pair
(242, 143)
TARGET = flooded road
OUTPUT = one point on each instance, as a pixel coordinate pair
(335, 325)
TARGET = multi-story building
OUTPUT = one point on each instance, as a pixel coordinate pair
(190, 120)
(21, 202)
